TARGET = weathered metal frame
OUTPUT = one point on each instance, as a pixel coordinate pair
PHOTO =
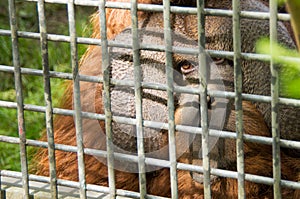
(237, 56)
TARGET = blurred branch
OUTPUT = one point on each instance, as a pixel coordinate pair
(293, 7)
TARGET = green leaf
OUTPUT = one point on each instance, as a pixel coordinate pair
(290, 68)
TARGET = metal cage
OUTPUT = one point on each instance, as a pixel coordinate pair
(28, 182)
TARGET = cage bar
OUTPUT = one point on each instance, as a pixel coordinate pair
(187, 129)
(19, 97)
(76, 99)
(170, 93)
(107, 101)
(238, 97)
(48, 98)
(274, 103)
(203, 76)
(138, 99)
(174, 9)
(92, 41)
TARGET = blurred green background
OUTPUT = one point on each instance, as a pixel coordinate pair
(30, 55)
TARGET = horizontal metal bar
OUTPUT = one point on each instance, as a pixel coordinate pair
(179, 89)
(148, 161)
(158, 125)
(233, 174)
(72, 184)
(173, 9)
(52, 37)
(183, 50)
(52, 74)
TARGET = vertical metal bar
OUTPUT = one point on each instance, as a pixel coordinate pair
(19, 96)
(275, 103)
(238, 97)
(107, 100)
(48, 98)
(170, 93)
(1, 192)
(203, 74)
(76, 99)
(138, 99)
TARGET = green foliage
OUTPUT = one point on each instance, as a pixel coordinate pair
(281, 2)
(30, 57)
(290, 68)
(9, 156)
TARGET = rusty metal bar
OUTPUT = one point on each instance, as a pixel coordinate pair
(107, 101)
(203, 76)
(275, 103)
(238, 97)
(170, 93)
(138, 99)
(48, 98)
(76, 99)
(19, 97)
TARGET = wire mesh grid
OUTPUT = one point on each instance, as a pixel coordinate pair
(237, 55)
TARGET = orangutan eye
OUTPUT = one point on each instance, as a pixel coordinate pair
(218, 60)
(223, 61)
(186, 67)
